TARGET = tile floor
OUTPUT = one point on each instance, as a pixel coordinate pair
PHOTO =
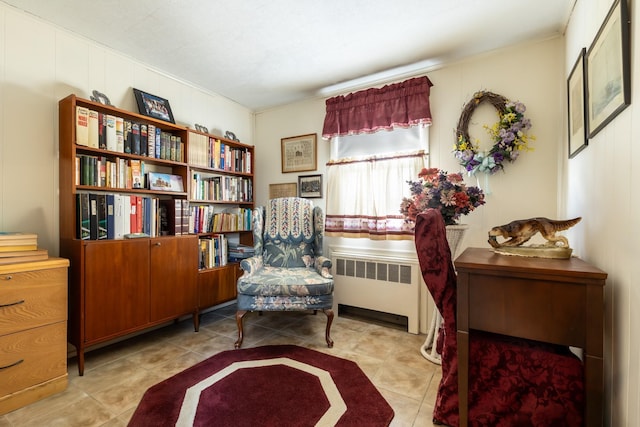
(116, 376)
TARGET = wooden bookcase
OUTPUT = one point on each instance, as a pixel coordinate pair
(118, 286)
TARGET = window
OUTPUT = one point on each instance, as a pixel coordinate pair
(378, 142)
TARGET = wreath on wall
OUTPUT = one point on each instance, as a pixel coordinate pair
(509, 134)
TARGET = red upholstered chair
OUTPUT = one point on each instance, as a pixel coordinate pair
(512, 381)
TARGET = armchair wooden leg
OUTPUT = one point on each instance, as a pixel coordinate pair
(239, 315)
(329, 314)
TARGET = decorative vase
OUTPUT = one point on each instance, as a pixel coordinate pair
(455, 236)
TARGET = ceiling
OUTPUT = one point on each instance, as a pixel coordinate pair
(264, 53)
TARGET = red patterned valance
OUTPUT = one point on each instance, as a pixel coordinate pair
(399, 104)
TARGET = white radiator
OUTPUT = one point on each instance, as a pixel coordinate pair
(389, 282)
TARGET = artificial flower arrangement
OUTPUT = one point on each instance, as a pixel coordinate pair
(444, 191)
(509, 134)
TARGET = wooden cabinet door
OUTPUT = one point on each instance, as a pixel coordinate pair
(218, 285)
(174, 266)
(116, 278)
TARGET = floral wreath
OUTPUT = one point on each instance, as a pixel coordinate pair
(509, 134)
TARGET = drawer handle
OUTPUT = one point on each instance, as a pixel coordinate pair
(12, 365)
(8, 277)
(12, 303)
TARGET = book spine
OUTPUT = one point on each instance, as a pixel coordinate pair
(111, 216)
(83, 230)
(135, 138)
(82, 125)
(112, 133)
(101, 201)
(93, 217)
(93, 129)
(119, 147)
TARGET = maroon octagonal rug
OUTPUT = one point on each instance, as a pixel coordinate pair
(281, 385)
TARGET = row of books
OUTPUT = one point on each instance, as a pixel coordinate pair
(238, 252)
(213, 251)
(209, 152)
(108, 132)
(221, 188)
(18, 247)
(117, 216)
(100, 171)
(205, 219)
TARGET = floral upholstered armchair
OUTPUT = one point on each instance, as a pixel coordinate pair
(288, 271)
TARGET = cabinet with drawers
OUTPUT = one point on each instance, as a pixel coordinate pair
(33, 331)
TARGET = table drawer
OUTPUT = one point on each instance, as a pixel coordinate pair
(33, 356)
(32, 298)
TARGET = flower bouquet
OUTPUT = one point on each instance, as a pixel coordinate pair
(444, 191)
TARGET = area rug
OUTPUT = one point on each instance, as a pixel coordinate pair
(280, 385)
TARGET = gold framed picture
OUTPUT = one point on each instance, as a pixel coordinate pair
(299, 153)
(289, 189)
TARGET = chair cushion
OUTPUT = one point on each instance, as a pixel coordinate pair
(273, 281)
(289, 236)
(280, 303)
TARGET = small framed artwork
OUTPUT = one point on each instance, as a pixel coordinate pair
(299, 153)
(153, 106)
(289, 189)
(577, 114)
(310, 186)
(165, 182)
(608, 69)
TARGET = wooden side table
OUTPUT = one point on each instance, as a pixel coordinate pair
(549, 300)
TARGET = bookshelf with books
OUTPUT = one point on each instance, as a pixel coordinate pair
(221, 204)
(133, 263)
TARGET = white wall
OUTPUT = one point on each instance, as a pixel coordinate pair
(531, 73)
(599, 184)
(41, 64)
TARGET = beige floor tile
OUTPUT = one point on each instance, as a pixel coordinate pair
(117, 375)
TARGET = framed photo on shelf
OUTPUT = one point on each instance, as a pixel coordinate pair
(310, 186)
(289, 189)
(299, 153)
(153, 106)
(577, 113)
(608, 69)
(165, 182)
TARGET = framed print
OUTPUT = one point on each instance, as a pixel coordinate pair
(608, 69)
(165, 182)
(153, 106)
(299, 153)
(310, 186)
(575, 101)
(289, 189)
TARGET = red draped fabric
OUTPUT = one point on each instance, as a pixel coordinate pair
(512, 381)
(400, 104)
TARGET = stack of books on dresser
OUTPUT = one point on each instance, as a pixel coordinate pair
(20, 247)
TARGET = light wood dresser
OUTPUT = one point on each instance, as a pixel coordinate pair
(33, 331)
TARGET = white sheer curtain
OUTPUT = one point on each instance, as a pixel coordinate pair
(363, 196)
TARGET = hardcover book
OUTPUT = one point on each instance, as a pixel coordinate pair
(83, 226)
(101, 201)
(119, 135)
(82, 125)
(93, 216)
(93, 129)
(111, 132)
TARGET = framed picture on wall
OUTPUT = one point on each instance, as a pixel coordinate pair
(310, 186)
(608, 69)
(299, 153)
(289, 189)
(153, 106)
(575, 101)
